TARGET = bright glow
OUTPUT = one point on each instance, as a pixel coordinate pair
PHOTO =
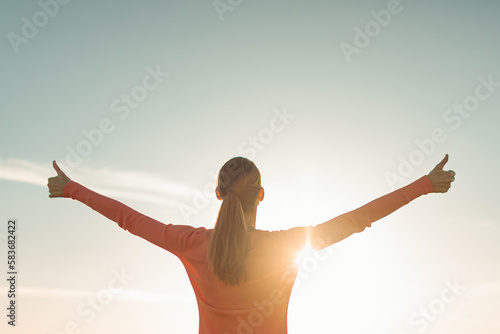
(303, 254)
(347, 131)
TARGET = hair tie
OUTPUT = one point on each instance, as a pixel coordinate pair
(232, 191)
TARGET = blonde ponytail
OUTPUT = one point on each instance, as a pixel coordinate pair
(238, 186)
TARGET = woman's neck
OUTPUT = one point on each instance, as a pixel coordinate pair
(250, 219)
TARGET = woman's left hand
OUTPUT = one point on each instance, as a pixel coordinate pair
(441, 180)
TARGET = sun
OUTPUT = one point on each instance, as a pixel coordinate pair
(306, 252)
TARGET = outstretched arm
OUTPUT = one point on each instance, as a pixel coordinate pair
(341, 227)
(168, 236)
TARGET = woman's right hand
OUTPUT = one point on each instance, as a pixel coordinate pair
(441, 180)
(57, 183)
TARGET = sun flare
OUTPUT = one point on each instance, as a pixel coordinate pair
(304, 253)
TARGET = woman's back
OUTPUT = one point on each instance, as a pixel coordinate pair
(259, 303)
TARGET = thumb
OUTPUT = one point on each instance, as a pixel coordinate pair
(442, 163)
(56, 167)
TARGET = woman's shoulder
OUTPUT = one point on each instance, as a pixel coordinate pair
(291, 235)
(189, 231)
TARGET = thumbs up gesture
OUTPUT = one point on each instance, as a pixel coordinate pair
(57, 183)
(441, 180)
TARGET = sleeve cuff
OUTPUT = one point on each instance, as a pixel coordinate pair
(422, 186)
(70, 188)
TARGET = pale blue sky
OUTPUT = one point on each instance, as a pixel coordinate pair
(269, 81)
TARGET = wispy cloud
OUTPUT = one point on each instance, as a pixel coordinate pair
(24, 171)
(133, 185)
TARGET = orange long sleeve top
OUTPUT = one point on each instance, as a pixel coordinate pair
(259, 305)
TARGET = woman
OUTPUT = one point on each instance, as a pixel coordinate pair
(242, 277)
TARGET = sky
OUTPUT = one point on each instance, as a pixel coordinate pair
(337, 103)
